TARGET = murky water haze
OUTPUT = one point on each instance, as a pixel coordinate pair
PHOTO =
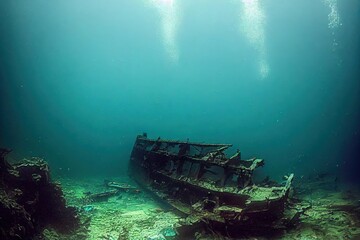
(278, 79)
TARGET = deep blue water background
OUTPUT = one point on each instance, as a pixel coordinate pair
(80, 79)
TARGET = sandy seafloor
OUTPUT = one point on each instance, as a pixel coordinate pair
(334, 213)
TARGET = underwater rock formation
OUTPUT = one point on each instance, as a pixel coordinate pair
(29, 201)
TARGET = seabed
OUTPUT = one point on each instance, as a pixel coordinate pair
(34, 205)
(127, 215)
(329, 213)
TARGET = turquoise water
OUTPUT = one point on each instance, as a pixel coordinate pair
(278, 79)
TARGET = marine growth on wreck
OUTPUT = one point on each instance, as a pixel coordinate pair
(199, 180)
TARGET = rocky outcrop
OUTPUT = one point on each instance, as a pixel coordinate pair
(29, 201)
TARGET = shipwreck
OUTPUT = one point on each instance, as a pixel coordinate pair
(201, 182)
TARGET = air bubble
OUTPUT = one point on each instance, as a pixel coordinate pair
(253, 26)
(169, 12)
(333, 16)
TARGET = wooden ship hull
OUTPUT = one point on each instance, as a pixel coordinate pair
(199, 180)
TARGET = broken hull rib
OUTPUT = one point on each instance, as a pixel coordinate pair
(200, 181)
